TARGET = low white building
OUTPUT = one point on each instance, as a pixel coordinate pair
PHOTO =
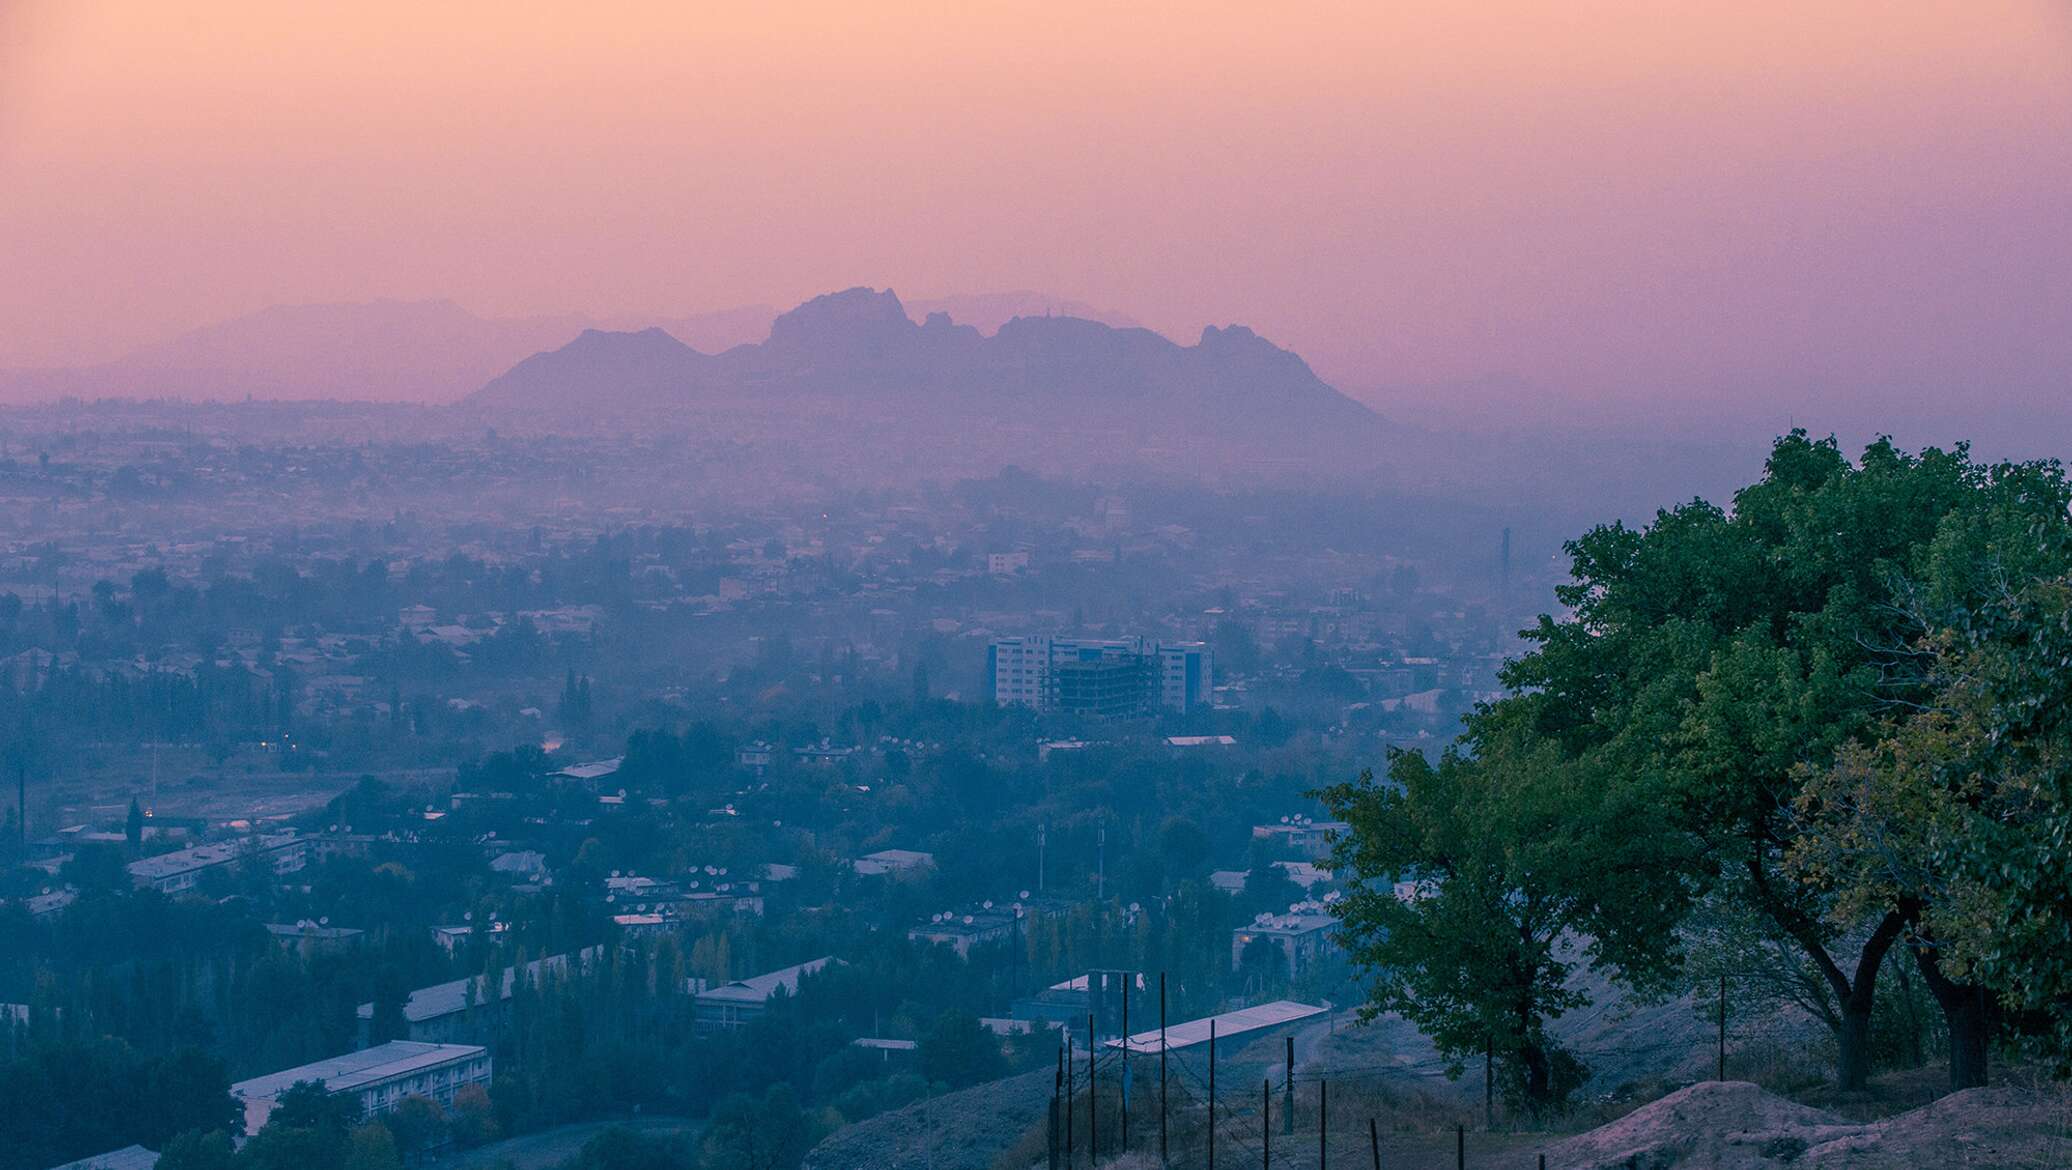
(733, 1005)
(379, 1078)
(171, 873)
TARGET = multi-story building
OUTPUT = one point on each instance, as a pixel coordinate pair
(1106, 677)
(731, 1006)
(379, 1078)
(171, 873)
(471, 1008)
(1306, 936)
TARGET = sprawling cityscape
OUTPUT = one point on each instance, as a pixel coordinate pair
(821, 586)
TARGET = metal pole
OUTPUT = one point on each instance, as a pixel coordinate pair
(1374, 1141)
(1127, 979)
(1460, 1147)
(1288, 1083)
(1161, 1069)
(1071, 1091)
(1057, 1087)
(1093, 1097)
(1266, 1124)
(1212, 1093)
(1323, 1124)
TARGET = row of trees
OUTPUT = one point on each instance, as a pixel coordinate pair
(1832, 714)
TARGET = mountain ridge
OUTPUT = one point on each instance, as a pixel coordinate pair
(860, 349)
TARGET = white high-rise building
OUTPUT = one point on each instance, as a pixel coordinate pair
(1099, 676)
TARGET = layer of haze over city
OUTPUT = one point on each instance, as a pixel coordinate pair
(692, 586)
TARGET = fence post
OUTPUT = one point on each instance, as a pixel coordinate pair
(1323, 1124)
(1288, 1084)
(1127, 979)
(1065, 1059)
(1266, 1124)
(1057, 1086)
(1053, 1143)
(1093, 1098)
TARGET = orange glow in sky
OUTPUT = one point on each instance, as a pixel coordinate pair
(1624, 199)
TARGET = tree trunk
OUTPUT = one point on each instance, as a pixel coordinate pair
(1966, 1012)
(1854, 997)
(1538, 1077)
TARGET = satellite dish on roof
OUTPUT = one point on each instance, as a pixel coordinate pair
(467, 916)
(967, 920)
(324, 921)
(987, 905)
(1284, 820)
(1024, 895)
(615, 873)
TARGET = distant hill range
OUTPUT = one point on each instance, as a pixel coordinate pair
(860, 356)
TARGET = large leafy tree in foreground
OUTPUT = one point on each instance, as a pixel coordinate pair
(1961, 809)
(1711, 665)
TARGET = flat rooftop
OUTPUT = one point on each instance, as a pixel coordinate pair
(1259, 1018)
(397, 1058)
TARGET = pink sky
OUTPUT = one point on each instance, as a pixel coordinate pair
(1635, 203)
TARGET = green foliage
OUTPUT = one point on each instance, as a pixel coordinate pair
(370, 1147)
(64, 1102)
(198, 1150)
(957, 1051)
(1718, 658)
(1517, 866)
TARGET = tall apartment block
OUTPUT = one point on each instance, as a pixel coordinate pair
(1114, 678)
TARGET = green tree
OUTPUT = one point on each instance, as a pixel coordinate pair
(371, 1147)
(1721, 656)
(958, 1050)
(1515, 866)
(198, 1150)
(417, 1123)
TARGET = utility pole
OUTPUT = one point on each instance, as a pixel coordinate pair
(1161, 1069)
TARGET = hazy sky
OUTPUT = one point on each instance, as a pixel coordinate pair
(1750, 206)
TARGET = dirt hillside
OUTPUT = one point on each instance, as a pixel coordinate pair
(1734, 1125)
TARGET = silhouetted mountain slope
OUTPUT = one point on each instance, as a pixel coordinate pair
(858, 352)
(383, 351)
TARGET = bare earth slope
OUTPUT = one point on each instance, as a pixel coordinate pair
(965, 1130)
(1734, 1125)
